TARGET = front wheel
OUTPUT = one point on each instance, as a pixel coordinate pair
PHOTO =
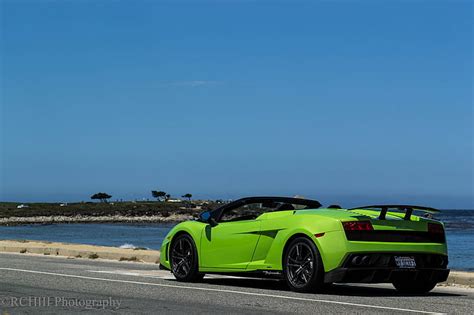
(414, 287)
(302, 266)
(184, 259)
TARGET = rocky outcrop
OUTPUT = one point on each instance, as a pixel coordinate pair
(95, 219)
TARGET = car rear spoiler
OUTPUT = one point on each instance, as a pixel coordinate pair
(407, 208)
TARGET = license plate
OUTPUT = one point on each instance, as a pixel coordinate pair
(405, 262)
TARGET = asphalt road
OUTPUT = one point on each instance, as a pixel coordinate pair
(51, 285)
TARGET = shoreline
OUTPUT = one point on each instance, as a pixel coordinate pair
(61, 219)
(79, 251)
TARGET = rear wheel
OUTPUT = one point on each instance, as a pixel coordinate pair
(184, 259)
(414, 287)
(302, 266)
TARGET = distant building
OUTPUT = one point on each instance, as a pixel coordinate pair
(22, 206)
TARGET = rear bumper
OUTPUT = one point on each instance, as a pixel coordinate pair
(382, 268)
(384, 275)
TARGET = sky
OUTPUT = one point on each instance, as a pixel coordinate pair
(346, 102)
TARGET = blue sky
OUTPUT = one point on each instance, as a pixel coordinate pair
(347, 101)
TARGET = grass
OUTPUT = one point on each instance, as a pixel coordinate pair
(129, 209)
(133, 258)
(93, 256)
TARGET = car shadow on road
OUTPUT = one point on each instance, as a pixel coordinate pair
(336, 289)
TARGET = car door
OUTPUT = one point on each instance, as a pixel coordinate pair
(231, 243)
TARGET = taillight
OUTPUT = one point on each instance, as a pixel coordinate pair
(357, 226)
(435, 228)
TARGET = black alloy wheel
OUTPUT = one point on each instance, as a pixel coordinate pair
(302, 266)
(184, 260)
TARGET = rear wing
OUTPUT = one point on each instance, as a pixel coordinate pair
(407, 208)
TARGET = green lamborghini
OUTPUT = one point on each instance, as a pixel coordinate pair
(311, 247)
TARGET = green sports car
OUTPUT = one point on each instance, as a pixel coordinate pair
(311, 247)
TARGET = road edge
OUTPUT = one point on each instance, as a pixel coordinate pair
(456, 278)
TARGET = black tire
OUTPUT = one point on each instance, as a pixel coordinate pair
(414, 286)
(302, 266)
(184, 259)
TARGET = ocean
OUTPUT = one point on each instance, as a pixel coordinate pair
(459, 232)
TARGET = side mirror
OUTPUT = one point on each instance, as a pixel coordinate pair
(207, 218)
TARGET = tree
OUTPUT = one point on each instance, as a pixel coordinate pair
(167, 197)
(159, 195)
(188, 196)
(101, 196)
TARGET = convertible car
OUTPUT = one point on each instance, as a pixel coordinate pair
(311, 247)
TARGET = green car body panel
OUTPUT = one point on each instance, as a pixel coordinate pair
(258, 244)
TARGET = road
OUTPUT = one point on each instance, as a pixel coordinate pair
(50, 285)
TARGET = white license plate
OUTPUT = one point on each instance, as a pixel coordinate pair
(405, 262)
